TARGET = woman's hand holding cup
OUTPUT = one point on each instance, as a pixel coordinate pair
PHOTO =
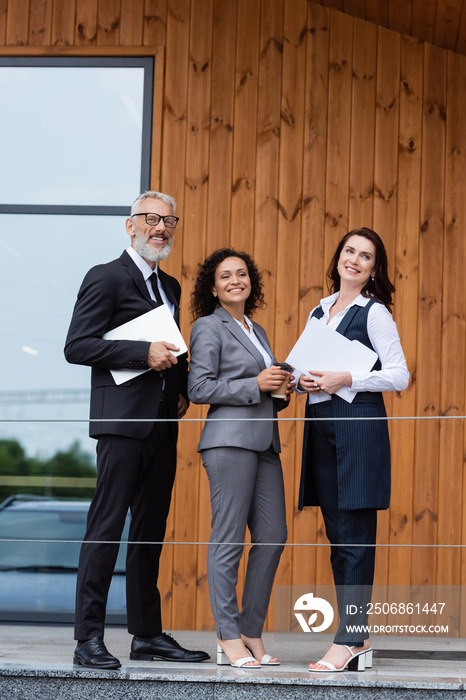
(272, 378)
(280, 384)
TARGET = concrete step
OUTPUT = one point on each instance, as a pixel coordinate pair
(36, 664)
(131, 683)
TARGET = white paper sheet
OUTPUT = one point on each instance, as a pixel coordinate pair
(324, 349)
(153, 326)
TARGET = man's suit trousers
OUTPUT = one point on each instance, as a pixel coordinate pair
(139, 475)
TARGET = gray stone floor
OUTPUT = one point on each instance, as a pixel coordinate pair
(48, 650)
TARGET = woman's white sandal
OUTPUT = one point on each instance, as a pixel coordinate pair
(356, 662)
(223, 660)
(265, 661)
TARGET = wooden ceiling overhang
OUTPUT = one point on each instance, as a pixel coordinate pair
(440, 22)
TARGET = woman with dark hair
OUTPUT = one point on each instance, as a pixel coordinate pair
(346, 463)
(233, 369)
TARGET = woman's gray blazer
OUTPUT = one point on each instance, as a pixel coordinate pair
(223, 368)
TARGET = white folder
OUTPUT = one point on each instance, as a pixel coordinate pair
(153, 326)
(323, 349)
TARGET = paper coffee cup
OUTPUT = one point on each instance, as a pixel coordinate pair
(280, 393)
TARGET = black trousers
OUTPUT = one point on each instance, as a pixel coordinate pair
(352, 567)
(139, 475)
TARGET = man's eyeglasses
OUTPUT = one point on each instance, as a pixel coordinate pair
(154, 219)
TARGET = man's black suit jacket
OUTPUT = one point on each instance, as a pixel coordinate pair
(110, 295)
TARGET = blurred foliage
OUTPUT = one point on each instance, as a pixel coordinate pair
(71, 463)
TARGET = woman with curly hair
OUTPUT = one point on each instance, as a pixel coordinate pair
(233, 369)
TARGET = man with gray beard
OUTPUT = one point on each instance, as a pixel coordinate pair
(136, 459)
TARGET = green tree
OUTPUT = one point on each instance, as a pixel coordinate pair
(71, 463)
(13, 458)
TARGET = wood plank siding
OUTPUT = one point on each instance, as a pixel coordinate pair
(279, 125)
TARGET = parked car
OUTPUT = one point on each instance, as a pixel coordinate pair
(38, 577)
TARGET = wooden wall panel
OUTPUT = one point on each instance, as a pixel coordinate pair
(244, 134)
(337, 183)
(157, 118)
(63, 22)
(175, 96)
(172, 173)
(86, 23)
(185, 563)
(339, 130)
(453, 329)
(385, 197)
(131, 22)
(17, 25)
(109, 20)
(428, 370)
(154, 35)
(218, 220)
(244, 147)
(40, 14)
(3, 21)
(279, 124)
(386, 139)
(155, 22)
(406, 281)
(458, 82)
(221, 127)
(304, 523)
(268, 154)
(362, 125)
(289, 228)
(312, 263)
(273, 35)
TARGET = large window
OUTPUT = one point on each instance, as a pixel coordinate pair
(75, 144)
(75, 134)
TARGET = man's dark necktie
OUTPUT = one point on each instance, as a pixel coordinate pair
(153, 280)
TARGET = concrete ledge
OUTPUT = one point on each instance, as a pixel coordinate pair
(36, 664)
(177, 682)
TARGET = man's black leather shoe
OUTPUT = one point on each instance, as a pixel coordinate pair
(94, 654)
(163, 647)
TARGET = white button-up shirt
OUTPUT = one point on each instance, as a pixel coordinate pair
(146, 273)
(255, 340)
(383, 334)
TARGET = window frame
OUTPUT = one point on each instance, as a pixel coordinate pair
(145, 62)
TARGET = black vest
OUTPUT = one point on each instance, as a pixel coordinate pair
(363, 447)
